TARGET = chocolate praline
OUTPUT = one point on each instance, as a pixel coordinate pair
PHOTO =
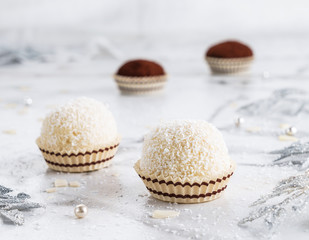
(141, 68)
(229, 49)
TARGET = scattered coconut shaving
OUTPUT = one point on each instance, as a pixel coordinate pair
(9, 131)
(24, 88)
(287, 138)
(284, 125)
(10, 106)
(61, 183)
(51, 190)
(160, 214)
(23, 111)
(74, 184)
(253, 129)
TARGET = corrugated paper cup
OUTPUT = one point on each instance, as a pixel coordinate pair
(185, 190)
(80, 161)
(229, 65)
(140, 85)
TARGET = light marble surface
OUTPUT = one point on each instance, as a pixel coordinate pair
(36, 17)
(119, 204)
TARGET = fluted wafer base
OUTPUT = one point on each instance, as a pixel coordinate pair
(229, 65)
(183, 190)
(140, 85)
(81, 161)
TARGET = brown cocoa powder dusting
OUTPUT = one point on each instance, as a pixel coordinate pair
(140, 68)
(229, 49)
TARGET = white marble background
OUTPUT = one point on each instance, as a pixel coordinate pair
(24, 22)
(83, 43)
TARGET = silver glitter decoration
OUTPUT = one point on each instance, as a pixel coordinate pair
(10, 56)
(288, 102)
(239, 121)
(28, 101)
(4, 190)
(13, 216)
(291, 131)
(295, 194)
(296, 155)
(22, 206)
(11, 206)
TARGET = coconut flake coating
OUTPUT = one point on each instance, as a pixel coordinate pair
(185, 148)
(81, 125)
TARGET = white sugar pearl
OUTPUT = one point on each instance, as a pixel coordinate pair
(28, 101)
(239, 121)
(81, 211)
(291, 131)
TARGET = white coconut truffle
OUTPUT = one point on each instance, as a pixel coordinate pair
(81, 125)
(185, 148)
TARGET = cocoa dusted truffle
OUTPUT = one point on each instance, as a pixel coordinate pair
(140, 76)
(141, 68)
(229, 57)
(229, 49)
